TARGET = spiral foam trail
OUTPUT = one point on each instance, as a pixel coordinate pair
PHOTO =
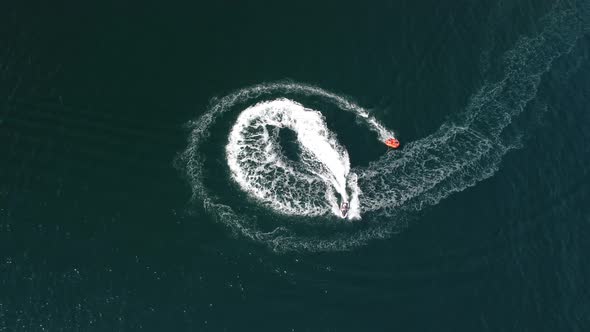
(460, 153)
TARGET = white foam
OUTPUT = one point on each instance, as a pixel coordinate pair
(260, 168)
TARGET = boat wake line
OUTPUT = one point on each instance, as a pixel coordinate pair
(314, 185)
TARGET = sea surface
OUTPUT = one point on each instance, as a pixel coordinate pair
(119, 211)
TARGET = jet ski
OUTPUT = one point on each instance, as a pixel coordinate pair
(344, 209)
(392, 143)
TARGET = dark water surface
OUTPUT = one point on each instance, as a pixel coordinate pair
(97, 230)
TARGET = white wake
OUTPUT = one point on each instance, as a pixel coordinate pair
(460, 153)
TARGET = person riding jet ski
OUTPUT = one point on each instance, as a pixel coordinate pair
(344, 209)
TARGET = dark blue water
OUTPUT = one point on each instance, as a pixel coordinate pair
(98, 231)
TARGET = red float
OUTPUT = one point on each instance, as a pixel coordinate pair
(392, 143)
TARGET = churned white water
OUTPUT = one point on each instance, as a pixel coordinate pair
(313, 186)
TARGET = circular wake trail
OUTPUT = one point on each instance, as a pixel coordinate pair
(460, 153)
